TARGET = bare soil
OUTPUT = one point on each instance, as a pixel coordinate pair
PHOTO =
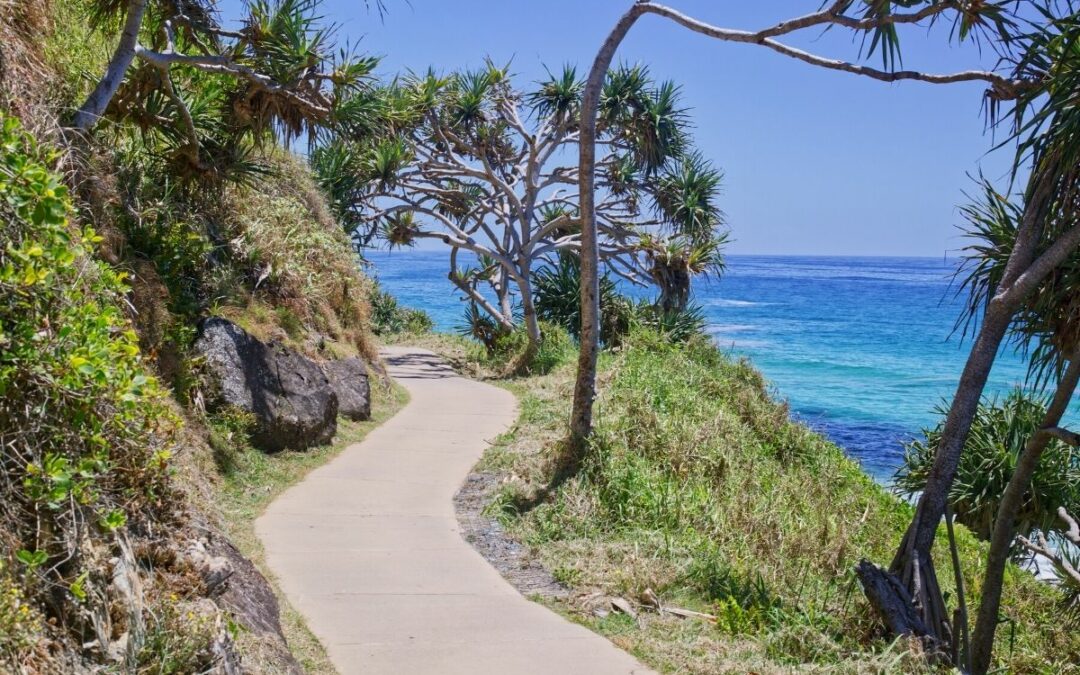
(510, 557)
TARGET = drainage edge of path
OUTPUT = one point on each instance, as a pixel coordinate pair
(490, 539)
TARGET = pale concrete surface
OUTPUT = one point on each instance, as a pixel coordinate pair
(367, 548)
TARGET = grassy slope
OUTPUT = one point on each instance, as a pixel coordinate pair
(701, 489)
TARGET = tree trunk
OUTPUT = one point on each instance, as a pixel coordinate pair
(674, 284)
(94, 107)
(503, 293)
(1001, 541)
(532, 325)
(585, 386)
(912, 561)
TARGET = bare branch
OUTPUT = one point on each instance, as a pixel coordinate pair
(1003, 88)
(1056, 557)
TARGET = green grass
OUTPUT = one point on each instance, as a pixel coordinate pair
(253, 479)
(700, 488)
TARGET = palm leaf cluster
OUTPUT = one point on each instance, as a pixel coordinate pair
(984, 21)
(998, 435)
(558, 300)
(226, 93)
(1046, 129)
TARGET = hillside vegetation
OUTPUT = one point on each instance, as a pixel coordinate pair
(121, 492)
(701, 490)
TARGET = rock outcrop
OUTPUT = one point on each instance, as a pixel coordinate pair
(248, 596)
(290, 396)
(349, 378)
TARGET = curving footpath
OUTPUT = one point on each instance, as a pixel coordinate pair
(368, 550)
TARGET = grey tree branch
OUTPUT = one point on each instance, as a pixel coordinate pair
(1003, 87)
(1056, 557)
(94, 107)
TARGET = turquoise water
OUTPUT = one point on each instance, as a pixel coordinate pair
(861, 348)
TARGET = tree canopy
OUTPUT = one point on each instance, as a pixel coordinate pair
(479, 165)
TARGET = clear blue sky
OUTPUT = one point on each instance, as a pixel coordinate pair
(816, 162)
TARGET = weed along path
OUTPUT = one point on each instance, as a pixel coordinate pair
(367, 548)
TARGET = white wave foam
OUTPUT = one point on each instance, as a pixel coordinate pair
(723, 302)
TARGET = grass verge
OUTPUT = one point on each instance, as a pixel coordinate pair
(252, 479)
(698, 489)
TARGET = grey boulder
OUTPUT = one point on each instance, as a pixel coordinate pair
(290, 396)
(349, 378)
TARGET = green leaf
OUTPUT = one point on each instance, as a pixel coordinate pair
(32, 559)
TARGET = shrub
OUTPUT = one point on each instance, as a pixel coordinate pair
(388, 317)
(680, 325)
(558, 301)
(998, 434)
(85, 434)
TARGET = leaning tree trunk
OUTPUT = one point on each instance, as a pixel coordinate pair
(585, 386)
(94, 107)
(982, 643)
(912, 562)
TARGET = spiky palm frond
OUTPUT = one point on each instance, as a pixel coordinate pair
(647, 121)
(400, 229)
(676, 325)
(686, 194)
(339, 172)
(483, 328)
(559, 97)
(384, 160)
(470, 103)
(998, 435)
(683, 254)
(624, 95)
(970, 21)
(459, 199)
(622, 175)
(557, 288)
(1047, 325)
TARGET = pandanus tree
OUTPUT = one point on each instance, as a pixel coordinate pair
(1046, 327)
(480, 166)
(209, 93)
(1037, 49)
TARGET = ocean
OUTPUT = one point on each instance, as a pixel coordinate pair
(863, 349)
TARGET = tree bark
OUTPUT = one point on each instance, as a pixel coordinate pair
(94, 107)
(585, 386)
(532, 325)
(890, 600)
(912, 560)
(674, 284)
(982, 643)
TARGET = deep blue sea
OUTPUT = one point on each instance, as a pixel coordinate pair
(863, 349)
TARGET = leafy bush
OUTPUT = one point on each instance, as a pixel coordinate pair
(20, 623)
(679, 325)
(998, 434)
(558, 301)
(85, 434)
(388, 317)
(556, 348)
(504, 350)
(236, 250)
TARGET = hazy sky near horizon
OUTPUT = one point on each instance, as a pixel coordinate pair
(815, 162)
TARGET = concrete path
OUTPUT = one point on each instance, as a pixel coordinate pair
(367, 548)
